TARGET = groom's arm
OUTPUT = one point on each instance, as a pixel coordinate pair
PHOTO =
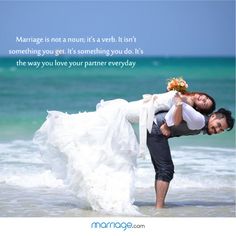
(165, 130)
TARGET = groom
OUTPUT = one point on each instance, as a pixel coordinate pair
(157, 142)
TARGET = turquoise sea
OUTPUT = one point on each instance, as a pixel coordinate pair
(27, 93)
(205, 165)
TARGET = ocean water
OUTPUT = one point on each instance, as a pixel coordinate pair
(204, 183)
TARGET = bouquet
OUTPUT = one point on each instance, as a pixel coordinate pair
(177, 84)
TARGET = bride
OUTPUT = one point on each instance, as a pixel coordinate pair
(95, 152)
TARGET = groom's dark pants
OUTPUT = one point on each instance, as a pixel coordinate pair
(160, 154)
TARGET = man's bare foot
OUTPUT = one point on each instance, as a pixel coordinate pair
(159, 206)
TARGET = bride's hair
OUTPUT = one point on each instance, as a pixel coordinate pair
(207, 110)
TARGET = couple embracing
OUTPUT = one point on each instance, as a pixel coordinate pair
(101, 147)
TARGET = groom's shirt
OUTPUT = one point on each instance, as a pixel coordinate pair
(182, 130)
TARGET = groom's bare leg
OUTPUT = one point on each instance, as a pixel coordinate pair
(161, 188)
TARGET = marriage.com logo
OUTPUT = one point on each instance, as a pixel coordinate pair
(116, 225)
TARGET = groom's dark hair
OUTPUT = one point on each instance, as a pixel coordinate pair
(221, 113)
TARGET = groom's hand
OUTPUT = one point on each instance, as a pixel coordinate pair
(165, 130)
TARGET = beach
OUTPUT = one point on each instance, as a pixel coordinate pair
(202, 187)
(204, 182)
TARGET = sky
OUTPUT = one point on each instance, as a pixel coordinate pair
(162, 28)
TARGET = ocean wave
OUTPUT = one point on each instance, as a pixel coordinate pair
(22, 165)
(220, 149)
(32, 180)
(195, 167)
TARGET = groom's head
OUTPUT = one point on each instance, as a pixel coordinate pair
(220, 121)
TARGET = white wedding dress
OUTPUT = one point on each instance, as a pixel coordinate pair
(96, 152)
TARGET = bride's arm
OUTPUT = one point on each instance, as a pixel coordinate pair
(194, 119)
(178, 112)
